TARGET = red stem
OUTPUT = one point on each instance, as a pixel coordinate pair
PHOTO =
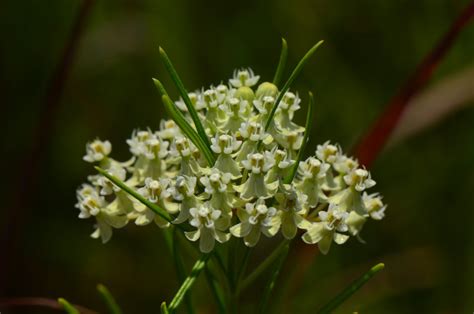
(44, 302)
(24, 192)
(372, 143)
(370, 146)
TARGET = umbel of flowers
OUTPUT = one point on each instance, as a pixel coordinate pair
(229, 164)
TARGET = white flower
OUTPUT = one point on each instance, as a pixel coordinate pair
(155, 190)
(285, 113)
(254, 157)
(257, 218)
(107, 187)
(291, 140)
(292, 205)
(97, 150)
(138, 140)
(375, 206)
(256, 186)
(244, 77)
(375, 209)
(281, 165)
(210, 225)
(168, 130)
(226, 145)
(313, 176)
(344, 164)
(236, 111)
(265, 105)
(327, 152)
(183, 191)
(330, 228)
(218, 187)
(360, 179)
(89, 201)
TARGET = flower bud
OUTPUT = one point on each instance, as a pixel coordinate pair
(266, 89)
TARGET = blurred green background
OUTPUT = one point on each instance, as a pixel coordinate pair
(427, 238)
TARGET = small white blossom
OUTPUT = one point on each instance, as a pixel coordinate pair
(331, 228)
(97, 150)
(313, 176)
(327, 152)
(244, 77)
(292, 205)
(257, 218)
(210, 225)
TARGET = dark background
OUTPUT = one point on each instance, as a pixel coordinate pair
(371, 47)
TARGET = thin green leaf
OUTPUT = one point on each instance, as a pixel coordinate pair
(109, 300)
(273, 278)
(164, 308)
(184, 94)
(288, 83)
(244, 264)
(68, 307)
(183, 124)
(216, 291)
(281, 63)
(179, 265)
(263, 266)
(351, 289)
(158, 210)
(308, 127)
(188, 282)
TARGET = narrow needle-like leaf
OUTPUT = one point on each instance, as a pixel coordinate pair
(281, 63)
(216, 291)
(273, 279)
(109, 300)
(183, 124)
(351, 289)
(263, 266)
(308, 126)
(158, 210)
(288, 83)
(68, 307)
(188, 282)
(184, 94)
(164, 308)
(178, 262)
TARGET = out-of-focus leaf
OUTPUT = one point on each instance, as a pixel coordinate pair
(435, 104)
(351, 289)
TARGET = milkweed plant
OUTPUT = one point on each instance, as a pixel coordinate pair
(226, 168)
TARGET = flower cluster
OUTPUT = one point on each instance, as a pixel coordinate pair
(245, 193)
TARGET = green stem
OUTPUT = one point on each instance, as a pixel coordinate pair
(271, 284)
(351, 289)
(243, 266)
(264, 265)
(189, 281)
(180, 269)
(281, 63)
(109, 300)
(216, 291)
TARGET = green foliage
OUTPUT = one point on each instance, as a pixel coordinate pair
(68, 307)
(351, 289)
(109, 300)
